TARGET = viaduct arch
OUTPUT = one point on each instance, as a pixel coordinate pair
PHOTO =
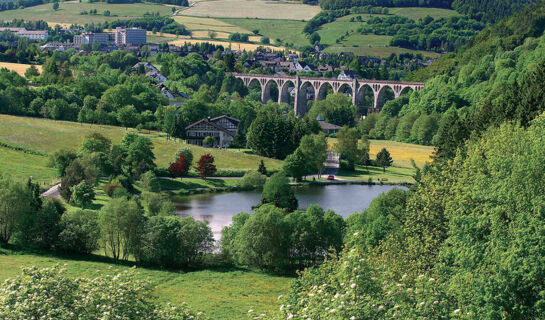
(303, 87)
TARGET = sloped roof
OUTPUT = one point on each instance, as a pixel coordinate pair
(328, 126)
(209, 121)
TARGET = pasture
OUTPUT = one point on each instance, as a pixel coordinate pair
(48, 136)
(69, 12)
(401, 152)
(418, 13)
(226, 293)
(210, 24)
(288, 31)
(20, 68)
(20, 165)
(259, 9)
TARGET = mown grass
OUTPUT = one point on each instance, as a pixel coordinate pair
(20, 68)
(252, 9)
(226, 293)
(49, 136)
(393, 174)
(69, 12)
(188, 184)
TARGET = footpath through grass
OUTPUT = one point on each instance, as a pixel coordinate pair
(221, 293)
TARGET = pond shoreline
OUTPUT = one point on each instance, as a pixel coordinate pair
(228, 189)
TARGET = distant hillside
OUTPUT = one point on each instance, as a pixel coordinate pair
(484, 10)
(497, 77)
(489, 10)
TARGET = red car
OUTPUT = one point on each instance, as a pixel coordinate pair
(330, 177)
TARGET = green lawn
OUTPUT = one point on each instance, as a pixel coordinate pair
(20, 165)
(289, 31)
(392, 174)
(49, 136)
(188, 184)
(69, 12)
(222, 294)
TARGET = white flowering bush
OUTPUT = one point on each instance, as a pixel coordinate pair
(352, 288)
(49, 294)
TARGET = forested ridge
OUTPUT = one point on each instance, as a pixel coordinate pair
(464, 242)
(485, 10)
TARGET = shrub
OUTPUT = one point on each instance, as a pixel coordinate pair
(149, 182)
(121, 193)
(109, 188)
(49, 294)
(175, 242)
(80, 232)
(252, 179)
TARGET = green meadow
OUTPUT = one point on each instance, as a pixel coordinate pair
(48, 136)
(69, 12)
(223, 293)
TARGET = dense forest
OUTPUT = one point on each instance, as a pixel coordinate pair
(487, 10)
(464, 242)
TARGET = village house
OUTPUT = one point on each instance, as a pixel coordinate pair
(159, 77)
(302, 66)
(346, 75)
(327, 128)
(222, 129)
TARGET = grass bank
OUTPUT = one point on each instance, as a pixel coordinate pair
(223, 293)
(48, 136)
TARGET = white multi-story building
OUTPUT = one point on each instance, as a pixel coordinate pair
(24, 33)
(130, 37)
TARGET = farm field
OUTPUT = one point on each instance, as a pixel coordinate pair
(209, 24)
(252, 9)
(417, 13)
(223, 294)
(401, 171)
(20, 68)
(225, 44)
(49, 136)
(69, 12)
(401, 152)
(288, 31)
(370, 44)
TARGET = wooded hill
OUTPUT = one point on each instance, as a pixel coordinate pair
(485, 10)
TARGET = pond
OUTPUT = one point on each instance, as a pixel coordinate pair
(219, 208)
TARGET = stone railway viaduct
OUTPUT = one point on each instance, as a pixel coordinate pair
(320, 86)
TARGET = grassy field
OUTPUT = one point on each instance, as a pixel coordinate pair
(259, 9)
(209, 24)
(223, 294)
(49, 136)
(22, 165)
(417, 13)
(401, 153)
(20, 68)
(225, 44)
(69, 12)
(289, 31)
(393, 174)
